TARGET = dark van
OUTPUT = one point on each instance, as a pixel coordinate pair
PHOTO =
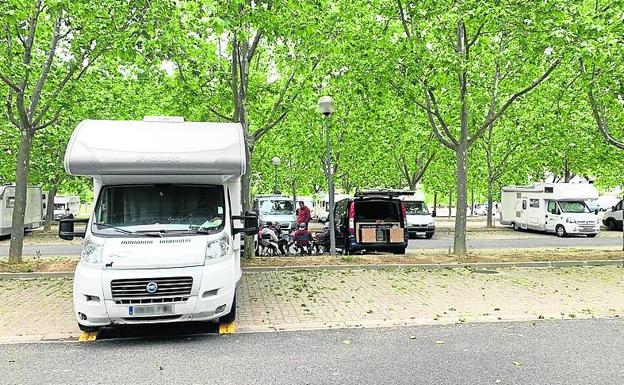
(371, 221)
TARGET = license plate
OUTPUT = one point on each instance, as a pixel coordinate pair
(587, 230)
(150, 310)
(421, 233)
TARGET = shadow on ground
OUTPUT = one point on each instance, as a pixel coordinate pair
(159, 331)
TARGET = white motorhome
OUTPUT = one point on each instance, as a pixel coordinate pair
(419, 219)
(63, 203)
(558, 208)
(321, 205)
(162, 244)
(34, 208)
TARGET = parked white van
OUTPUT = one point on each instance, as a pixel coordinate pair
(276, 208)
(613, 218)
(162, 243)
(558, 208)
(34, 208)
(419, 219)
(63, 203)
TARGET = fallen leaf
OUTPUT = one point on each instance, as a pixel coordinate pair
(440, 342)
(346, 342)
(517, 363)
(412, 337)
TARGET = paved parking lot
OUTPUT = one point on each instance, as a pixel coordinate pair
(295, 300)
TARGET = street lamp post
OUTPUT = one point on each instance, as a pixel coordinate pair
(276, 163)
(326, 107)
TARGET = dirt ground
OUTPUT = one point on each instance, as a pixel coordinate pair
(55, 264)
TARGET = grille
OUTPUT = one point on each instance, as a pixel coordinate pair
(137, 288)
(151, 300)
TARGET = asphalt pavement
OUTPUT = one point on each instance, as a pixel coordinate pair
(546, 352)
(510, 240)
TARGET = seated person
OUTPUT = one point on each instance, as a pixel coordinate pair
(283, 238)
(268, 238)
(322, 239)
(302, 239)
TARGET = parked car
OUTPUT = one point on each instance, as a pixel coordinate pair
(419, 220)
(613, 218)
(373, 220)
(276, 208)
(481, 209)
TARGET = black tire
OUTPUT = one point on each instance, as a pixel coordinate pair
(429, 235)
(611, 225)
(560, 231)
(231, 316)
(591, 235)
(515, 226)
(399, 251)
(88, 329)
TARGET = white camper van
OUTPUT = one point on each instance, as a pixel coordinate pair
(34, 208)
(62, 203)
(419, 219)
(558, 208)
(162, 244)
(276, 208)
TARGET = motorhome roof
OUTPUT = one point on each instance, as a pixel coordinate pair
(122, 147)
(559, 191)
(379, 193)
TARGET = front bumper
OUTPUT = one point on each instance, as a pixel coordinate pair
(578, 229)
(413, 229)
(200, 305)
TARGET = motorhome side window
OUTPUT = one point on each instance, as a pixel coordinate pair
(165, 208)
(534, 203)
(552, 207)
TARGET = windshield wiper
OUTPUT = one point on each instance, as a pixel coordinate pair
(106, 225)
(143, 233)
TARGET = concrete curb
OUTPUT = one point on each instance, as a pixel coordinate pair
(396, 266)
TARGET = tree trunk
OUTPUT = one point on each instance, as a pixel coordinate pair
(246, 198)
(21, 188)
(435, 204)
(472, 204)
(490, 198)
(459, 244)
(293, 186)
(50, 208)
(450, 205)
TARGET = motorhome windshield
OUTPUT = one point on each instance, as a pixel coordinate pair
(276, 207)
(163, 208)
(59, 206)
(416, 208)
(573, 207)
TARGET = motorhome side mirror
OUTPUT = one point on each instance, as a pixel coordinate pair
(67, 230)
(250, 223)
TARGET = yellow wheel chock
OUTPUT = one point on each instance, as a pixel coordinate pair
(227, 328)
(87, 336)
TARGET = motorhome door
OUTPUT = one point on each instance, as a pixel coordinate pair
(552, 216)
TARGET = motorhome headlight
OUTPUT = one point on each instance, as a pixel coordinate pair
(570, 220)
(218, 248)
(431, 223)
(91, 251)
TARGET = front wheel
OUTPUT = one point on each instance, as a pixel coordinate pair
(560, 231)
(515, 226)
(231, 316)
(611, 225)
